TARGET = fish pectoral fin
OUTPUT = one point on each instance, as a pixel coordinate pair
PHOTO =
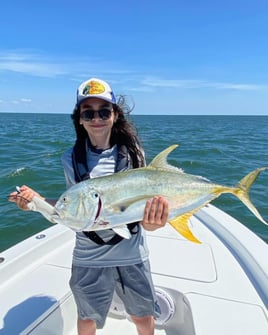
(122, 231)
(180, 223)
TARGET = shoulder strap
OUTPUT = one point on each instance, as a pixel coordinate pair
(79, 160)
(124, 161)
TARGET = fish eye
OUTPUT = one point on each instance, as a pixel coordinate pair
(94, 194)
(64, 199)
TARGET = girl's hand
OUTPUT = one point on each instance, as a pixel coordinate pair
(23, 197)
(155, 213)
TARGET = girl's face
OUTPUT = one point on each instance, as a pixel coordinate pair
(97, 117)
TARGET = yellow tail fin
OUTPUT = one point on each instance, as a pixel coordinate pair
(242, 191)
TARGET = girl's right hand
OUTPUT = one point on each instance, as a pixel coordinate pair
(23, 197)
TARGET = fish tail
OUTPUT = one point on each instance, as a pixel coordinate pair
(242, 191)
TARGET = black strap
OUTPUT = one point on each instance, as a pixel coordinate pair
(120, 278)
(93, 236)
(124, 161)
(79, 160)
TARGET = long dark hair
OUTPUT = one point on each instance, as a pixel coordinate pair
(123, 131)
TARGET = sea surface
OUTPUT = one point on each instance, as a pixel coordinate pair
(221, 148)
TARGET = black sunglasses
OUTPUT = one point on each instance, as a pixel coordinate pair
(89, 114)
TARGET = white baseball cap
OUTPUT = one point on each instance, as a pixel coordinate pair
(95, 88)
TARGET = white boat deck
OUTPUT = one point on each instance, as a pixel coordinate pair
(204, 289)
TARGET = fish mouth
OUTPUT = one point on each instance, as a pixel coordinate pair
(98, 211)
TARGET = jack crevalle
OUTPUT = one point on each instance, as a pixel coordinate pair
(111, 202)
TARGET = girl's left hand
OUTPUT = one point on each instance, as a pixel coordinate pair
(155, 213)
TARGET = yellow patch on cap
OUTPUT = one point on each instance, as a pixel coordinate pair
(93, 87)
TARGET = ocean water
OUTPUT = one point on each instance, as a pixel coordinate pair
(221, 148)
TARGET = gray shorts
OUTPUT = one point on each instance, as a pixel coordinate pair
(93, 290)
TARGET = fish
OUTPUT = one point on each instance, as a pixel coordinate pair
(113, 201)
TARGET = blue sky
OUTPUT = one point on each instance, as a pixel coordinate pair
(171, 57)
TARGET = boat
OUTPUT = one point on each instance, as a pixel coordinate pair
(217, 287)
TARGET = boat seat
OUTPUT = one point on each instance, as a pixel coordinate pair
(235, 315)
(200, 265)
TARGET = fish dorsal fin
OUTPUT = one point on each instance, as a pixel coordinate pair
(160, 161)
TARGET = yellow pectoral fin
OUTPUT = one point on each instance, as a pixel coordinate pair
(180, 223)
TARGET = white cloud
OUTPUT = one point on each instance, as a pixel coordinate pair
(196, 84)
(25, 100)
(30, 63)
(40, 65)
